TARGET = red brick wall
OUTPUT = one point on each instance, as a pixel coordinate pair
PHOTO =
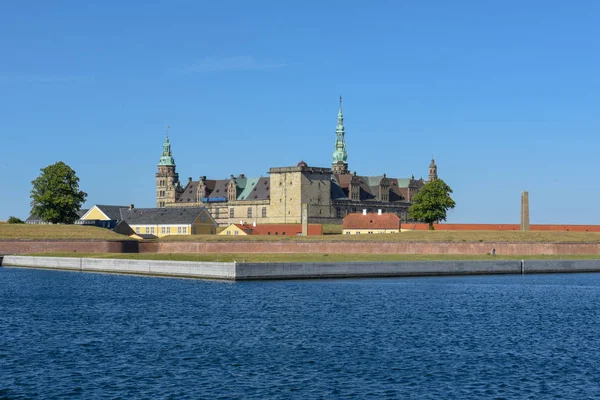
(81, 246)
(502, 227)
(370, 248)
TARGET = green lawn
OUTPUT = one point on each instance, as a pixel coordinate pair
(310, 257)
(417, 236)
(56, 232)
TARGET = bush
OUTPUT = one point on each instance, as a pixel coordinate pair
(14, 220)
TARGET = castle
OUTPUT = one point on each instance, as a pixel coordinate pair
(329, 193)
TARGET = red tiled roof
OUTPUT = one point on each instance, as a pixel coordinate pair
(281, 229)
(371, 221)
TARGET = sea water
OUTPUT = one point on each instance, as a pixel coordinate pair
(82, 335)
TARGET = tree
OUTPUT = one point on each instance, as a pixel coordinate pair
(431, 203)
(14, 220)
(55, 196)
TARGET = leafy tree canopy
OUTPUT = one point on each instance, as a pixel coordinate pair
(431, 203)
(55, 196)
(14, 220)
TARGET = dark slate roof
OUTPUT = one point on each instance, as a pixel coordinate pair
(82, 212)
(161, 216)
(33, 217)
(112, 212)
(219, 188)
(337, 193)
(260, 191)
(369, 187)
(247, 189)
(190, 193)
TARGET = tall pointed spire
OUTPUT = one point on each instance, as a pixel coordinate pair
(167, 156)
(340, 156)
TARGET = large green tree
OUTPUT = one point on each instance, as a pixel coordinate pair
(431, 203)
(55, 196)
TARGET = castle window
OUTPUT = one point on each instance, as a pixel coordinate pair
(229, 232)
(264, 212)
(163, 230)
(249, 212)
(236, 232)
(185, 229)
(231, 213)
(217, 212)
(137, 230)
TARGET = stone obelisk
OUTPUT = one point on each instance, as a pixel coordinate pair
(525, 211)
(304, 219)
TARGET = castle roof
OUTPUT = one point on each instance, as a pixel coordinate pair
(247, 189)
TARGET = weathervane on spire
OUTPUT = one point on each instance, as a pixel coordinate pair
(167, 129)
(340, 101)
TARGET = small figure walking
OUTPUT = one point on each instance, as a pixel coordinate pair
(493, 251)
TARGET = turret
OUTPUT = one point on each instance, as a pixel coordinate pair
(232, 189)
(168, 188)
(202, 192)
(432, 171)
(340, 156)
(384, 189)
(354, 187)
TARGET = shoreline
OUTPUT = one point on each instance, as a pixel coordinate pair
(241, 271)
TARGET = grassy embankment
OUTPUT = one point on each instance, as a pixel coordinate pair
(74, 232)
(56, 232)
(416, 236)
(62, 232)
(259, 257)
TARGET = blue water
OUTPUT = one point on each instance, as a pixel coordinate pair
(80, 335)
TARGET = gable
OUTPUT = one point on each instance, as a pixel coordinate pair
(95, 213)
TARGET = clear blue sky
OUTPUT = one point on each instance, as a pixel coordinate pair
(505, 94)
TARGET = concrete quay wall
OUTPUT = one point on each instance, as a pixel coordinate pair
(188, 269)
(272, 271)
(371, 248)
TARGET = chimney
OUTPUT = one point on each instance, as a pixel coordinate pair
(131, 206)
(189, 178)
(364, 211)
(378, 212)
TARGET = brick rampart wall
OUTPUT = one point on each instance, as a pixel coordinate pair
(370, 248)
(81, 246)
(31, 246)
(502, 227)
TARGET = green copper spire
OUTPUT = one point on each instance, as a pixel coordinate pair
(167, 157)
(340, 153)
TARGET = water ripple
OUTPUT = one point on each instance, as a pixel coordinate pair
(75, 335)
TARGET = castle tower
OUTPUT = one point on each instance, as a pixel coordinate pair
(168, 187)
(340, 156)
(432, 171)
